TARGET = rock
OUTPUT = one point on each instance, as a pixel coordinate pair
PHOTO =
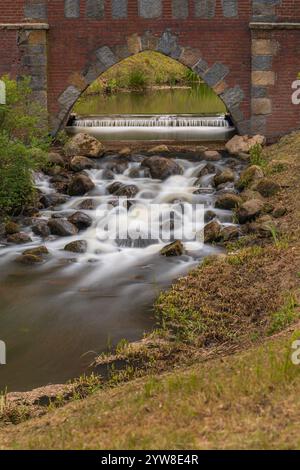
(62, 228)
(114, 187)
(29, 259)
(230, 233)
(48, 200)
(108, 174)
(212, 232)
(249, 176)
(81, 163)
(211, 155)
(267, 187)
(242, 144)
(79, 246)
(55, 159)
(173, 249)
(125, 152)
(123, 190)
(80, 185)
(249, 194)
(80, 220)
(129, 191)
(279, 211)
(159, 149)
(225, 176)
(41, 229)
(209, 215)
(228, 201)
(85, 145)
(37, 251)
(250, 210)
(11, 228)
(139, 173)
(53, 170)
(262, 227)
(208, 169)
(19, 238)
(88, 205)
(162, 168)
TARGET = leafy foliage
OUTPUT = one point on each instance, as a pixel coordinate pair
(23, 145)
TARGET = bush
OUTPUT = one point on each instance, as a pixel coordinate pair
(137, 80)
(23, 146)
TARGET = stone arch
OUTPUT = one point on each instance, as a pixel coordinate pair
(105, 57)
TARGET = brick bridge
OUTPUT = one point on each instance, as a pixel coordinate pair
(248, 51)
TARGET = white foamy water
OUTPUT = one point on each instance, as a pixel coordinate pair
(52, 314)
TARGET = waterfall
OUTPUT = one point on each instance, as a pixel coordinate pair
(181, 128)
(153, 121)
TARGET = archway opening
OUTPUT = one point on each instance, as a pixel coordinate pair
(150, 96)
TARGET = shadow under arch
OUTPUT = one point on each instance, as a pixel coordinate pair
(167, 44)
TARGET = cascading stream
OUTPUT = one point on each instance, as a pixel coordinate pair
(57, 316)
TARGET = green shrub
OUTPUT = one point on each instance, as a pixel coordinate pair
(23, 146)
(137, 79)
(256, 156)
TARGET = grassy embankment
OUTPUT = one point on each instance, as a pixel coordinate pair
(217, 373)
(147, 69)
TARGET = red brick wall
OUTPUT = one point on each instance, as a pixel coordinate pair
(73, 42)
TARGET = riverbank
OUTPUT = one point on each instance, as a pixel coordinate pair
(219, 360)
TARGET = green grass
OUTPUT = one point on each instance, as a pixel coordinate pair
(250, 400)
(145, 69)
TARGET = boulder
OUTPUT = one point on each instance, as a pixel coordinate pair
(19, 238)
(211, 155)
(29, 259)
(209, 215)
(80, 163)
(243, 143)
(226, 176)
(267, 187)
(117, 165)
(62, 228)
(108, 174)
(37, 251)
(250, 175)
(11, 228)
(123, 190)
(262, 227)
(159, 149)
(80, 220)
(228, 201)
(79, 246)
(250, 210)
(55, 159)
(173, 249)
(41, 229)
(80, 185)
(208, 169)
(230, 233)
(88, 205)
(125, 152)
(85, 145)
(53, 199)
(212, 232)
(162, 168)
